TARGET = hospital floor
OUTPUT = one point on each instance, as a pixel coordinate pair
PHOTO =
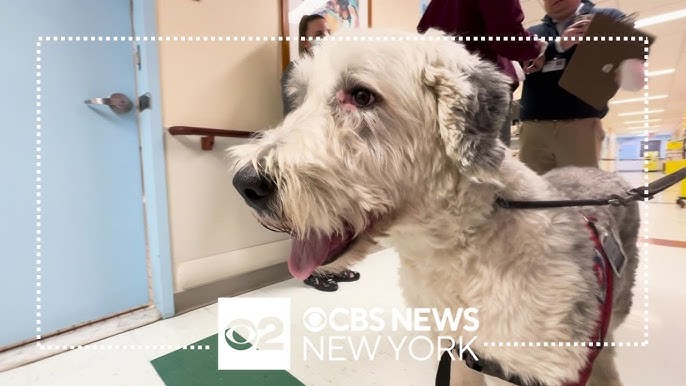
(660, 362)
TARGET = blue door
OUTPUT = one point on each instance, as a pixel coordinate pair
(72, 223)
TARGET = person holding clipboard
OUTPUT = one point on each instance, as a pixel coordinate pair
(558, 128)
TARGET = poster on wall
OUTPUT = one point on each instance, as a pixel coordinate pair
(650, 148)
(338, 14)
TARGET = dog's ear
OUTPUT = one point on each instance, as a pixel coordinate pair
(293, 86)
(473, 101)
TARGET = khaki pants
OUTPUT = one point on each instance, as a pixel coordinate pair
(545, 145)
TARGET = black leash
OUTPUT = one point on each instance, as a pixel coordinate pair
(635, 194)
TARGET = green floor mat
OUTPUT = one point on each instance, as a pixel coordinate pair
(199, 368)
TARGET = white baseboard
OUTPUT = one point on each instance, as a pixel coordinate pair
(80, 336)
(196, 273)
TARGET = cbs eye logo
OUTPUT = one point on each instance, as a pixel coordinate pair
(243, 334)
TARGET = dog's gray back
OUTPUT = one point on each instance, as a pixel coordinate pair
(590, 183)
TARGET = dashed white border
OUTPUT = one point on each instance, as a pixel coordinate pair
(644, 204)
(385, 38)
(563, 344)
(132, 347)
(332, 38)
(39, 188)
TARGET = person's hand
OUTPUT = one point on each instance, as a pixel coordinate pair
(575, 31)
(534, 65)
(630, 75)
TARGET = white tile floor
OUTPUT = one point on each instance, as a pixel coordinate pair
(660, 363)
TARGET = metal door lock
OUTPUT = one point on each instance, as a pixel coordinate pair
(117, 102)
(144, 102)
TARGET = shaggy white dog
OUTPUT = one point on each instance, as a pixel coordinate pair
(397, 141)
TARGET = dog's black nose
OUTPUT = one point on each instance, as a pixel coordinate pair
(256, 188)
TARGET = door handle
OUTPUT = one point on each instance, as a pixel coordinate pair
(117, 102)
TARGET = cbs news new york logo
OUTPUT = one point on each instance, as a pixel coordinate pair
(254, 334)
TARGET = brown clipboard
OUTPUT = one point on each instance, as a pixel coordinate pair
(590, 73)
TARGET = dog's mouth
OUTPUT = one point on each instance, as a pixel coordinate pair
(309, 253)
(313, 251)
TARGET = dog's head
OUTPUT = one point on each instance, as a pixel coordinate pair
(381, 126)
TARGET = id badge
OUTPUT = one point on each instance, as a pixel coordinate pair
(554, 65)
(600, 272)
(613, 249)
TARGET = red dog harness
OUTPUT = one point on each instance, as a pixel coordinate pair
(603, 271)
(604, 274)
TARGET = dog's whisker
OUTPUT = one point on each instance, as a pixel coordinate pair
(267, 224)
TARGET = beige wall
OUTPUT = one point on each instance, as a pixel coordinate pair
(225, 85)
(400, 14)
(220, 84)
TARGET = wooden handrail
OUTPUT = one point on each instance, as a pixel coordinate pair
(207, 139)
(190, 130)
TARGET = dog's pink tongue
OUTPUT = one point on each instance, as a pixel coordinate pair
(310, 253)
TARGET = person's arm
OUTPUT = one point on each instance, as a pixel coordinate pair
(504, 18)
(572, 35)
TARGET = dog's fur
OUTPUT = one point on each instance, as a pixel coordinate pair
(419, 170)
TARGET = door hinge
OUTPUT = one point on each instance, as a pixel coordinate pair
(137, 56)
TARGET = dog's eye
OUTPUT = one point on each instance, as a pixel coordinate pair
(362, 97)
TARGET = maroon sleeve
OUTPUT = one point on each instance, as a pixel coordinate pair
(504, 18)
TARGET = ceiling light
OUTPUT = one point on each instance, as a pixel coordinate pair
(663, 18)
(660, 72)
(643, 128)
(643, 120)
(643, 131)
(640, 112)
(639, 99)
